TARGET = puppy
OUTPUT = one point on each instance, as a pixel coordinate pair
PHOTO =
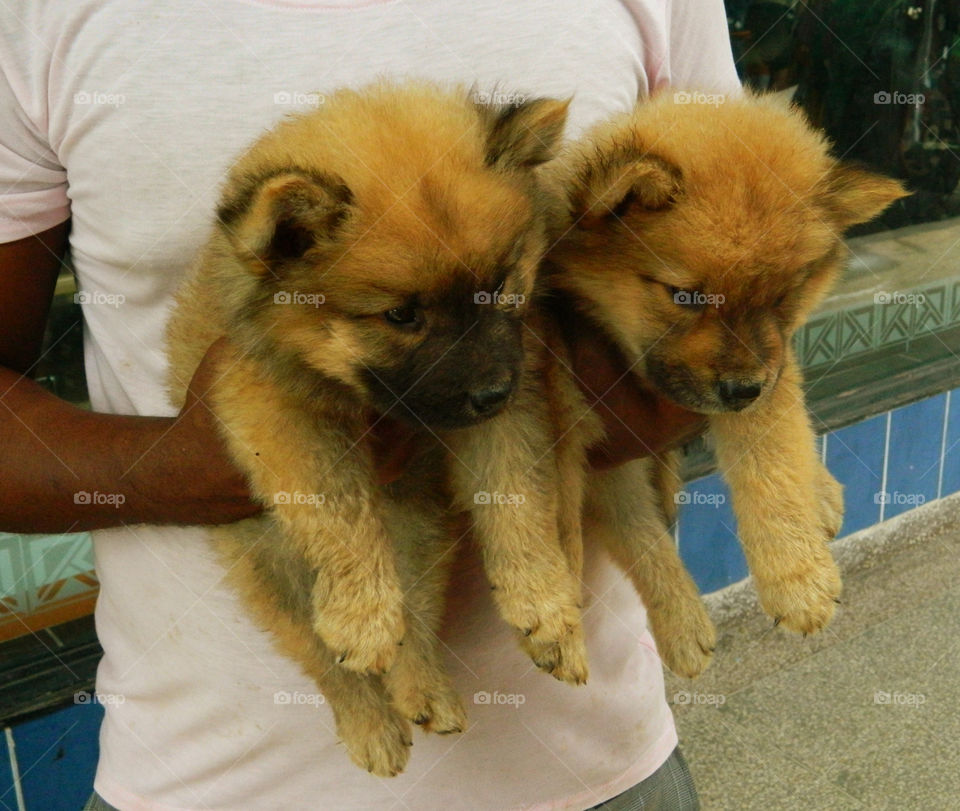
(699, 238)
(372, 257)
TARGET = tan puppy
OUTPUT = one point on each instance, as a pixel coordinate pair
(374, 257)
(700, 237)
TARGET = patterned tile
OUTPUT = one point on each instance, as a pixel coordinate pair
(931, 315)
(707, 535)
(892, 317)
(14, 588)
(857, 327)
(913, 457)
(58, 567)
(855, 458)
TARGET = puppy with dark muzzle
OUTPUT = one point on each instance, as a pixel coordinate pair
(699, 237)
(375, 257)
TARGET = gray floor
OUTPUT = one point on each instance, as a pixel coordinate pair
(865, 715)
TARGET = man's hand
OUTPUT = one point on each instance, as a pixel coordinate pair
(638, 421)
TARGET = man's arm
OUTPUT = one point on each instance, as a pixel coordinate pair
(167, 470)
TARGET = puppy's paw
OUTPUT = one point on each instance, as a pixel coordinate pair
(364, 634)
(377, 738)
(830, 493)
(565, 659)
(804, 599)
(424, 694)
(685, 636)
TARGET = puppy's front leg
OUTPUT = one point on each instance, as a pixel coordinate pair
(623, 512)
(504, 472)
(767, 456)
(318, 484)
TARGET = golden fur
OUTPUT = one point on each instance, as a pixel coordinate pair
(700, 238)
(377, 256)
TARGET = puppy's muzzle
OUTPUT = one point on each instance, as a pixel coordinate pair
(490, 400)
(737, 394)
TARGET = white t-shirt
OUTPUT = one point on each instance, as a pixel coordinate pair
(124, 115)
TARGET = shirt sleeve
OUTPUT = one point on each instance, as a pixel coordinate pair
(33, 185)
(700, 56)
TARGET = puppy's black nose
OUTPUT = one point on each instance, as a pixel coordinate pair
(738, 393)
(489, 400)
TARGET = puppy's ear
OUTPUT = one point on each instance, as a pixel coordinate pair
(524, 134)
(279, 218)
(604, 189)
(855, 195)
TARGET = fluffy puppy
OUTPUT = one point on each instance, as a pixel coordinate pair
(699, 237)
(375, 256)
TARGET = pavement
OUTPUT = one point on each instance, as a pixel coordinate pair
(865, 714)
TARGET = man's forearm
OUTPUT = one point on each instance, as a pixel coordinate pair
(65, 469)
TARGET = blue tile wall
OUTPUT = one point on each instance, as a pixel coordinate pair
(855, 458)
(57, 757)
(920, 459)
(707, 534)
(8, 797)
(913, 457)
(950, 473)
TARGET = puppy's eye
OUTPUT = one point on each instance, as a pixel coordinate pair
(407, 316)
(688, 299)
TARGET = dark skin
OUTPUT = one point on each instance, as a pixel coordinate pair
(175, 470)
